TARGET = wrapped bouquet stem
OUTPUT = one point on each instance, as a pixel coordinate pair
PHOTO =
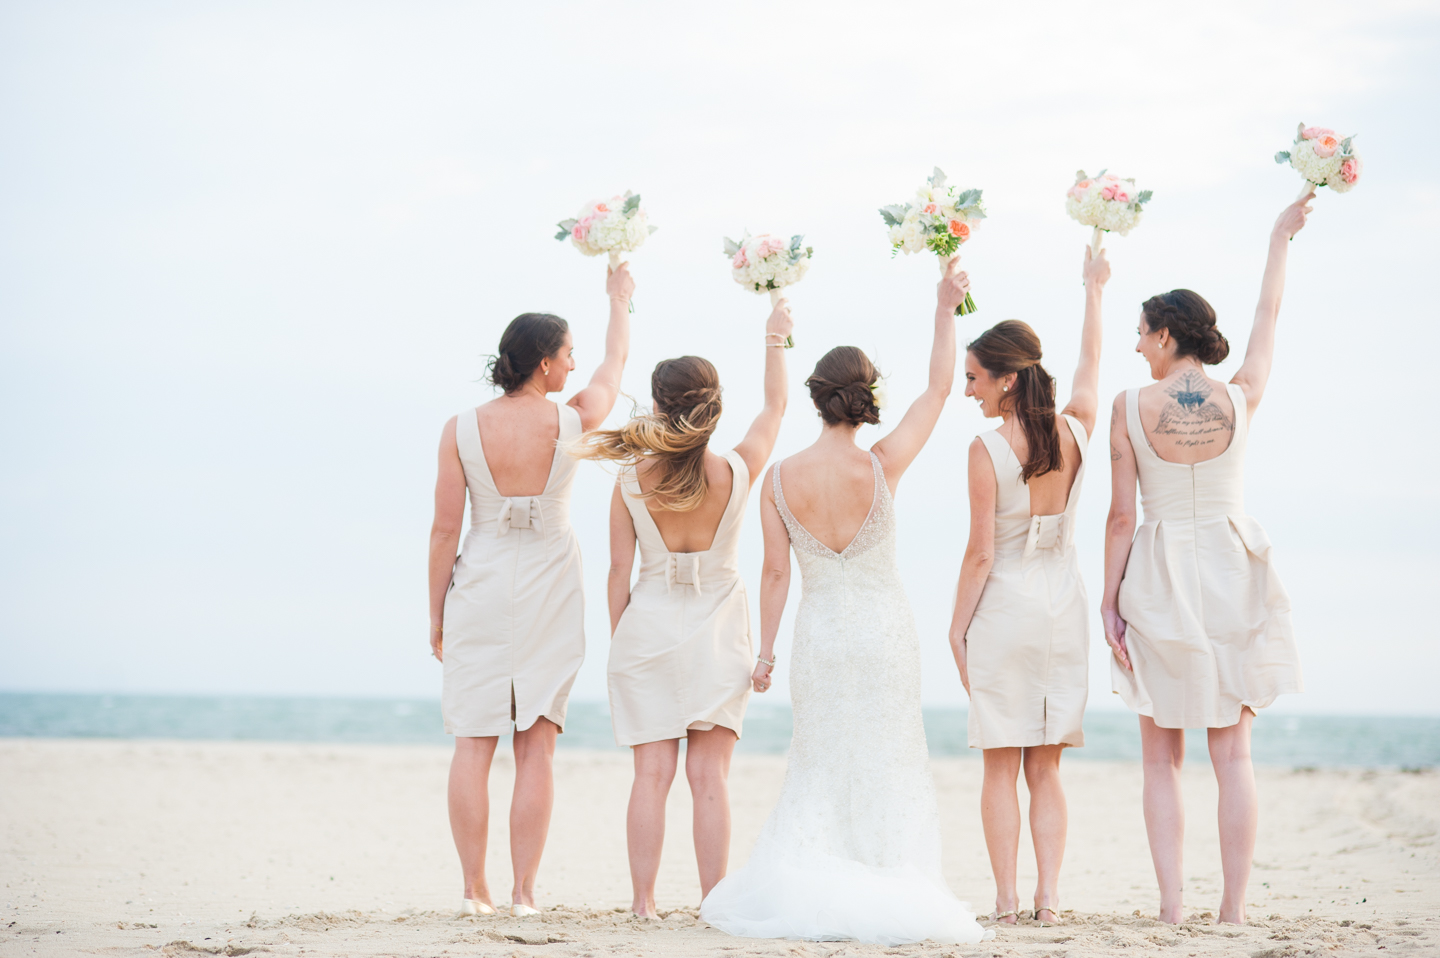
(768, 263)
(940, 220)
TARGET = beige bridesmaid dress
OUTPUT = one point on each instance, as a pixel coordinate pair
(681, 656)
(1207, 620)
(515, 611)
(1027, 648)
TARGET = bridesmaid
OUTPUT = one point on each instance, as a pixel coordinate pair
(1194, 612)
(681, 652)
(507, 616)
(1021, 632)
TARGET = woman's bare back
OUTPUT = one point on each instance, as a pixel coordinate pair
(518, 435)
(1188, 417)
(1050, 493)
(692, 531)
(830, 492)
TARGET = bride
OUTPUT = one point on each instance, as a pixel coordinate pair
(852, 849)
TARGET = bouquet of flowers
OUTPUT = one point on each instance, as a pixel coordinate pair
(617, 225)
(939, 219)
(768, 263)
(1105, 202)
(1323, 158)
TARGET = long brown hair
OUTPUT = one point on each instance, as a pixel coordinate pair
(1011, 346)
(842, 387)
(674, 435)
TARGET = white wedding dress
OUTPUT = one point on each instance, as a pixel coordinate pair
(852, 849)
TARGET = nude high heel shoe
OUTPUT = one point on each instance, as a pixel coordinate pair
(472, 908)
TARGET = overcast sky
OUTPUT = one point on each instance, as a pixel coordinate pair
(252, 256)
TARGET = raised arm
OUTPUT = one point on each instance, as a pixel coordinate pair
(595, 401)
(1085, 390)
(445, 532)
(1254, 372)
(622, 557)
(979, 554)
(774, 582)
(899, 449)
(1119, 528)
(759, 442)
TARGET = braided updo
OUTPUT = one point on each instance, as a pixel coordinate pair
(1191, 321)
(676, 434)
(841, 387)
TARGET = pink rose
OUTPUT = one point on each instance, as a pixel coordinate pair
(930, 208)
(1109, 192)
(1350, 169)
(770, 245)
(739, 261)
(961, 229)
(1325, 145)
(579, 232)
(1311, 132)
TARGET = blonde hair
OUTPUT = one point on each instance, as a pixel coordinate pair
(674, 436)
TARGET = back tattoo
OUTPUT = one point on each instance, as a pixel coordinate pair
(1191, 417)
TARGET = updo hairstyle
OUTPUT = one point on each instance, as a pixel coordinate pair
(841, 387)
(1011, 346)
(1191, 322)
(675, 434)
(530, 338)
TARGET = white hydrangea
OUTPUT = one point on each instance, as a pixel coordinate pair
(1086, 203)
(1315, 168)
(764, 262)
(618, 224)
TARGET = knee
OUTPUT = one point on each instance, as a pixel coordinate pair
(705, 776)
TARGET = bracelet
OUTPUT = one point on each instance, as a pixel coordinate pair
(787, 343)
(770, 662)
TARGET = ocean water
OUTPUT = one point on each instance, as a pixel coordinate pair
(1285, 740)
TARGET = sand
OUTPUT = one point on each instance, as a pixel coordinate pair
(129, 848)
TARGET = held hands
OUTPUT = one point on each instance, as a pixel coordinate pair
(779, 327)
(1292, 218)
(1115, 636)
(1096, 270)
(761, 678)
(619, 284)
(954, 287)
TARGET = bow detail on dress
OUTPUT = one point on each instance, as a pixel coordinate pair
(518, 512)
(1046, 532)
(683, 568)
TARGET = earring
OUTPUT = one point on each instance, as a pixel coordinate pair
(1004, 389)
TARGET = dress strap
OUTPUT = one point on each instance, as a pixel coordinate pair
(569, 423)
(645, 528)
(1072, 503)
(471, 449)
(739, 493)
(1132, 424)
(1242, 415)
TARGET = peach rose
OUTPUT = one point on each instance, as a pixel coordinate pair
(1325, 145)
(601, 208)
(930, 208)
(1350, 169)
(1311, 132)
(961, 229)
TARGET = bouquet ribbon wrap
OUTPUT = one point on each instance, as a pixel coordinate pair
(775, 295)
(967, 307)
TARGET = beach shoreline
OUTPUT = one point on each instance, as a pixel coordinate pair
(127, 846)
